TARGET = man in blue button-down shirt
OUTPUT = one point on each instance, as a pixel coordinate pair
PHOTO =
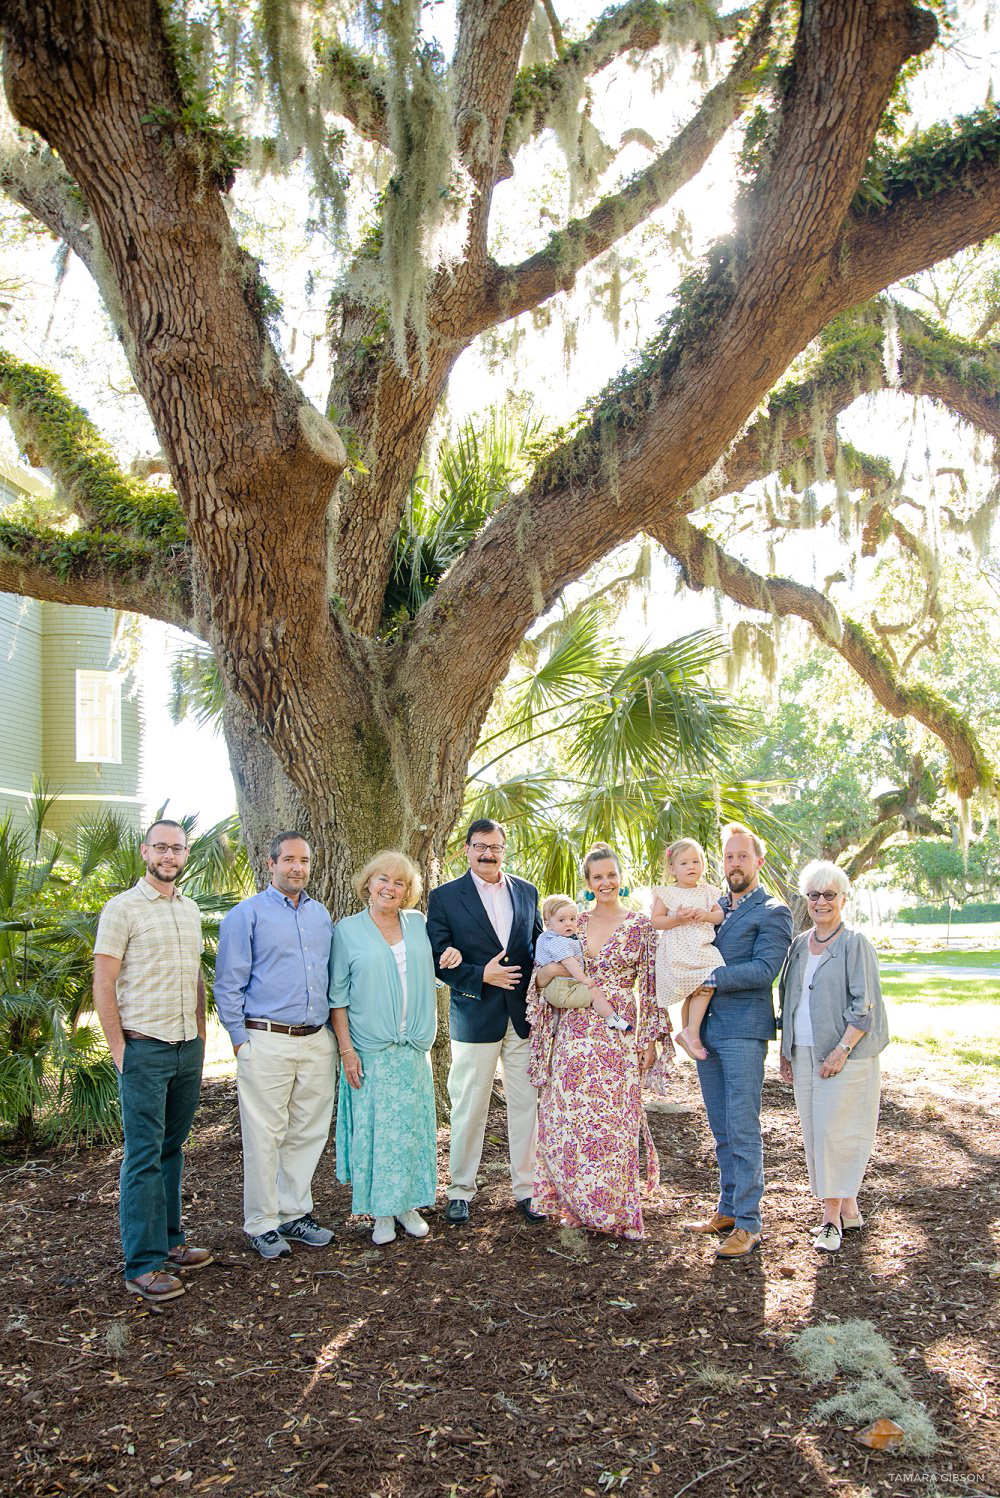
(271, 978)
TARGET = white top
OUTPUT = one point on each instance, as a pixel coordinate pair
(398, 950)
(802, 1026)
(498, 905)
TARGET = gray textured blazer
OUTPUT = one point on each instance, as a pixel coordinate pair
(845, 991)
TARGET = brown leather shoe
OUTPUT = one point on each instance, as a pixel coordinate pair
(187, 1257)
(737, 1245)
(156, 1285)
(713, 1224)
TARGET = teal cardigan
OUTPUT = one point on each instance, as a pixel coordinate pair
(365, 981)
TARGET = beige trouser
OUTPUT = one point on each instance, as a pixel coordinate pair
(470, 1082)
(285, 1085)
(839, 1116)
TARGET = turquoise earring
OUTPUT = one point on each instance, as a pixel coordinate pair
(588, 894)
(624, 891)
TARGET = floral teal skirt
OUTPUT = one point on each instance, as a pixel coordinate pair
(387, 1133)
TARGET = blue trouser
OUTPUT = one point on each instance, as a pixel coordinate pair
(732, 1080)
(158, 1088)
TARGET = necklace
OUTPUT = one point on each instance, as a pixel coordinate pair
(821, 939)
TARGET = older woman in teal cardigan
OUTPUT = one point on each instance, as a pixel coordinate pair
(382, 994)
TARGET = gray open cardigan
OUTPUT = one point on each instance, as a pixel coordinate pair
(845, 991)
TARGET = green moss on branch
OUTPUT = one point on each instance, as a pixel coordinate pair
(65, 440)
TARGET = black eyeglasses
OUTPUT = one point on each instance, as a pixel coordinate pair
(177, 848)
(822, 894)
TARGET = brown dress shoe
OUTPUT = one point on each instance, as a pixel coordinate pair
(187, 1257)
(156, 1285)
(737, 1245)
(713, 1224)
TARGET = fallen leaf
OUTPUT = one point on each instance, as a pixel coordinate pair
(881, 1434)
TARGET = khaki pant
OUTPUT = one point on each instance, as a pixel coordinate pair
(285, 1085)
(839, 1116)
(470, 1082)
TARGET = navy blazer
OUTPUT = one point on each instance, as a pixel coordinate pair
(456, 917)
(754, 940)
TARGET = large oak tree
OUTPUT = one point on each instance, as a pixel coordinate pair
(335, 721)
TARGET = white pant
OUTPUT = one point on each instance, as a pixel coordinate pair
(285, 1085)
(470, 1083)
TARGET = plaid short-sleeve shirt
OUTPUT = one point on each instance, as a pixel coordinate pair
(157, 938)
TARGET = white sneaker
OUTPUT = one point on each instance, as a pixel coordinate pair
(412, 1223)
(384, 1230)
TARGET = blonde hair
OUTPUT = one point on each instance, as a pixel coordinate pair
(554, 903)
(737, 829)
(389, 861)
(681, 846)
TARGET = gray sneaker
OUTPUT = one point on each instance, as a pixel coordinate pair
(268, 1245)
(306, 1230)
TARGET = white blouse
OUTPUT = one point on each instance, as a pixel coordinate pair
(398, 950)
(802, 1029)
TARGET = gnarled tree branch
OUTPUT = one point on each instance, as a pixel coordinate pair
(705, 564)
(517, 288)
(99, 569)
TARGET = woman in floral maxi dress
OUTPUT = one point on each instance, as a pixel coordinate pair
(590, 1111)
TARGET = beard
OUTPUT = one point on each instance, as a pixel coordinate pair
(737, 881)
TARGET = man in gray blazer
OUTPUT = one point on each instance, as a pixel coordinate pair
(754, 939)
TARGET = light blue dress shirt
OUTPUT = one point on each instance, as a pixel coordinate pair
(273, 962)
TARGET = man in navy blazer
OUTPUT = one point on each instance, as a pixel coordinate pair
(754, 939)
(492, 918)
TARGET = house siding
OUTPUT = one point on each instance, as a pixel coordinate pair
(21, 698)
(82, 639)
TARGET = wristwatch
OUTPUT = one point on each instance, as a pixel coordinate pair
(847, 1049)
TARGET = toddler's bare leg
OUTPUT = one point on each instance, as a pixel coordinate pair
(689, 1036)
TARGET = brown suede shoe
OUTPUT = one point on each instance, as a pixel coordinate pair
(713, 1224)
(187, 1257)
(737, 1245)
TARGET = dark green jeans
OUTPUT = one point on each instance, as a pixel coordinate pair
(158, 1087)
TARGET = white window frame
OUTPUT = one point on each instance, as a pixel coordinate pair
(99, 717)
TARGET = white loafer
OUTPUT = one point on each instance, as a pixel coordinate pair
(384, 1231)
(413, 1224)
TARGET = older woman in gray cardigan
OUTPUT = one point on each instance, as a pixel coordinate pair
(833, 1028)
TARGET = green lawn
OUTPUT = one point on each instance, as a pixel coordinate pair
(948, 1026)
(947, 958)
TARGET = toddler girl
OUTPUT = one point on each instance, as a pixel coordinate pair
(560, 943)
(686, 913)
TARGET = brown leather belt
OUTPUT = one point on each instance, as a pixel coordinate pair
(138, 1035)
(270, 1024)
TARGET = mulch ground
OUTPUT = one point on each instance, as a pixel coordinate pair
(499, 1359)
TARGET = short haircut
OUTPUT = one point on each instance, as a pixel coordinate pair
(485, 824)
(822, 874)
(395, 864)
(737, 829)
(595, 854)
(557, 902)
(280, 838)
(683, 845)
(164, 822)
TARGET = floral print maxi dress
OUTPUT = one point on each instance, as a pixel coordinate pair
(590, 1111)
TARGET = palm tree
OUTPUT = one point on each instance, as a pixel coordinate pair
(629, 750)
(56, 1078)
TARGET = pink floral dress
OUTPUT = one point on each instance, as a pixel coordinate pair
(590, 1111)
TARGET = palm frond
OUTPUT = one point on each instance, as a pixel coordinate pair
(660, 715)
(196, 687)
